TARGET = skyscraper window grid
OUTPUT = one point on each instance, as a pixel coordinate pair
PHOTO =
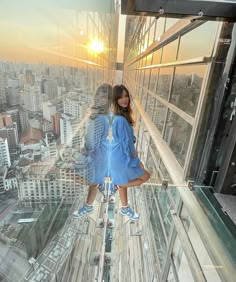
(195, 81)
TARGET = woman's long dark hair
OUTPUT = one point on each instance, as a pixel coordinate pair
(118, 110)
(106, 90)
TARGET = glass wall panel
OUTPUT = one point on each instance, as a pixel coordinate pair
(165, 207)
(164, 82)
(144, 98)
(140, 82)
(155, 151)
(164, 172)
(181, 263)
(177, 135)
(150, 105)
(169, 52)
(204, 259)
(149, 60)
(139, 91)
(152, 167)
(198, 42)
(142, 62)
(170, 277)
(152, 31)
(146, 78)
(153, 79)
(160, 26)
(137, 76)
(170, 22)
(158, 233)
(174, 195)
(159, 115)
(187, 86)
(146, 41)
(53, 57)
(157, 57)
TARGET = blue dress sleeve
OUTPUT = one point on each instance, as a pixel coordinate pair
(124, 133)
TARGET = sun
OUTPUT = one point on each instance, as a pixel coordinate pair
(96, 46)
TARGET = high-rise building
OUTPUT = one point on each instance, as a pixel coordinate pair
(47, 183)
(56, 123)
(29, 77)
(3, 173)
(70, 131)
(3, 99)
(50, 88)
(13, 92)
(24, 119)
(76, 104)
(8, 130)
(48, 110)
(14, 113)
(32, 98)
(5, 160)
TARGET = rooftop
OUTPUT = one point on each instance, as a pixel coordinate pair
(31, 136)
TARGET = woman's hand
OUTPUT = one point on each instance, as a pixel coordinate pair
(135, 155)
(141, 165)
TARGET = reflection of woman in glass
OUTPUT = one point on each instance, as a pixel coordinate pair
(96, 147)
(125, 166)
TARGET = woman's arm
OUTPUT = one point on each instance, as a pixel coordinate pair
(125, 135)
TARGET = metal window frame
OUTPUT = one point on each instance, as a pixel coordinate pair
(178, 29)
(208, 235)
(169, 262)
(193, 61)
(189, 119)
(208, 9)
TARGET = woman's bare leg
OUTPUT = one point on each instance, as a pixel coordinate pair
(123, 192)
(92, 194)
(137, 181)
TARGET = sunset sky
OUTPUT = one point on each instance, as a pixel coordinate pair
(46, 31)
(49, 31)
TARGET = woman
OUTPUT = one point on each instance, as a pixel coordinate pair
(96, 147)
(125, 167)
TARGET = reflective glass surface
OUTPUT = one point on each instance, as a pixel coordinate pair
(160, 25)
(164, 82)
(177, 135)
(157, 57)
(159, 115)
(169, 23)
(152, 31)
(187, 86)
(181, 262)
(199, 248)
(169, 52)
(153, 79)
(150, 105)
(196, 43)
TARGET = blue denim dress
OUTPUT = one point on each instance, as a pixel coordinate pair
(123, 162)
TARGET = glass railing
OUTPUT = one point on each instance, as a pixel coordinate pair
(47, 243)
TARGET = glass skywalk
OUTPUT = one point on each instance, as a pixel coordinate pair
(53, 57)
